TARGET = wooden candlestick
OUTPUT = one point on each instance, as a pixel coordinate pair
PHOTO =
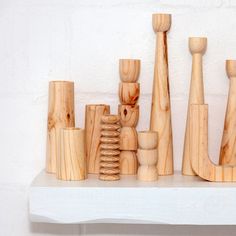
(129, 70)
(160, 111)
(228, 147)
(60, 115)
(109, 154)
(129, 93)
(129, 115)
(71, 164)
(128, 163)
(128, 139)
(92, 135)
(197, 47)
(200, 161)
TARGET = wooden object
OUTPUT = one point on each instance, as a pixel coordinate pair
(201, 163)
(197, 47)
(109, 154)
(71, 164)
(92, 134)
(128, 162)
(147, 139)
(128, 139)
(129, 70)
(60, 115)
(160, 111)
(228, 144)
(129, 93)
(129, 115)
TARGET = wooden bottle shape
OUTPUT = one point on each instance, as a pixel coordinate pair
(109, 153)
(60, 115)
(228, 144)
(197, 47)
(160, 111)
(71, 163)
(92, 135)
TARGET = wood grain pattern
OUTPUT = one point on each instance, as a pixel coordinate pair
(60, 115)
(228, 143)
(92, 134)
(128, 139)
(71, 164)
(129, 93)
(129, 115)
(147, 139)
(160, 111)
(129, 70)
(128, 163)
(197, 47)
(201, 163)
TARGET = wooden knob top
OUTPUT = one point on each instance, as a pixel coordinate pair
(110, 119)
(129, 70)
(161, 22)
(197, 45)
(231, 68)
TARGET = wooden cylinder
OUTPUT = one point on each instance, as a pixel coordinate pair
(129, 93)
(160, 111)
(147, 139)
(128, 163)
(71, 164)
(129, 70)
(129, 115)
(60, 115)
(92, 134)
(128, 139)
(197, 47)
(228, 147)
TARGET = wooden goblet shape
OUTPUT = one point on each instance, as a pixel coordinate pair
(147, 139)
(129, 93)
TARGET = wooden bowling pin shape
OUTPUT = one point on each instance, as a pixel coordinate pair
(197, 47)
(160, 111)
(200, 161)
(228, 146)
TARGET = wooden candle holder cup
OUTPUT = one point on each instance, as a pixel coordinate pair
(147, 139)
(129, 115)
(129, 93)
(161, 22)
(197, 45)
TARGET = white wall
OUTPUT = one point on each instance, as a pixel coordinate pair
(42, 40)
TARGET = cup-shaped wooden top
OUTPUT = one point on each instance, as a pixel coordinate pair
(129, 70)
(197, 45)
(161, 22)
(147, 139)
(231, 68)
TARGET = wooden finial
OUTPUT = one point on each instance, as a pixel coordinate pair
(197, 45)
(161, 22)
(231, 68)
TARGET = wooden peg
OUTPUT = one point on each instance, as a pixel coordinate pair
(160, 111)
(129, 70)
(129, 115)
(147, 139)
(92, 134)
(60, 114)
(71, 163)
(129, 93)
(228, 147)
(200, 161)
(197, 47)
(128, 139)
(128, 163)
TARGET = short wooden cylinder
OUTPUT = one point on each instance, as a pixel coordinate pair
(129, 70)
(147, 139)
(129, 115)
(60, 115)
(147, 157)
(128, 163)
(128, 139)
(129, 93)
(71, 163)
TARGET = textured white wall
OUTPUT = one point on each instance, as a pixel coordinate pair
(42, 40)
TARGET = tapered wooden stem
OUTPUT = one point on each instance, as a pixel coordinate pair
(160, 111)
(197, 47)
(92, 135)
(200, 161)
(60, 115)
(228, 144)
(71, 163)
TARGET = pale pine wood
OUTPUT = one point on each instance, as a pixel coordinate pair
(197, 47)
(60, 114)
(160, 111)
(109, 154)
(92, 134)
(129, 93)
(147, 139)
(128, 139)
(228, 144)
(71, 164)
(128, 163)
(129, 115)
(129, 70)
(200, 161)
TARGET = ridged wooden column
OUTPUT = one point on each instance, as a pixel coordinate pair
(161, 111)
(60, 115)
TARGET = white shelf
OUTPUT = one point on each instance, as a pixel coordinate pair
(174, 199)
